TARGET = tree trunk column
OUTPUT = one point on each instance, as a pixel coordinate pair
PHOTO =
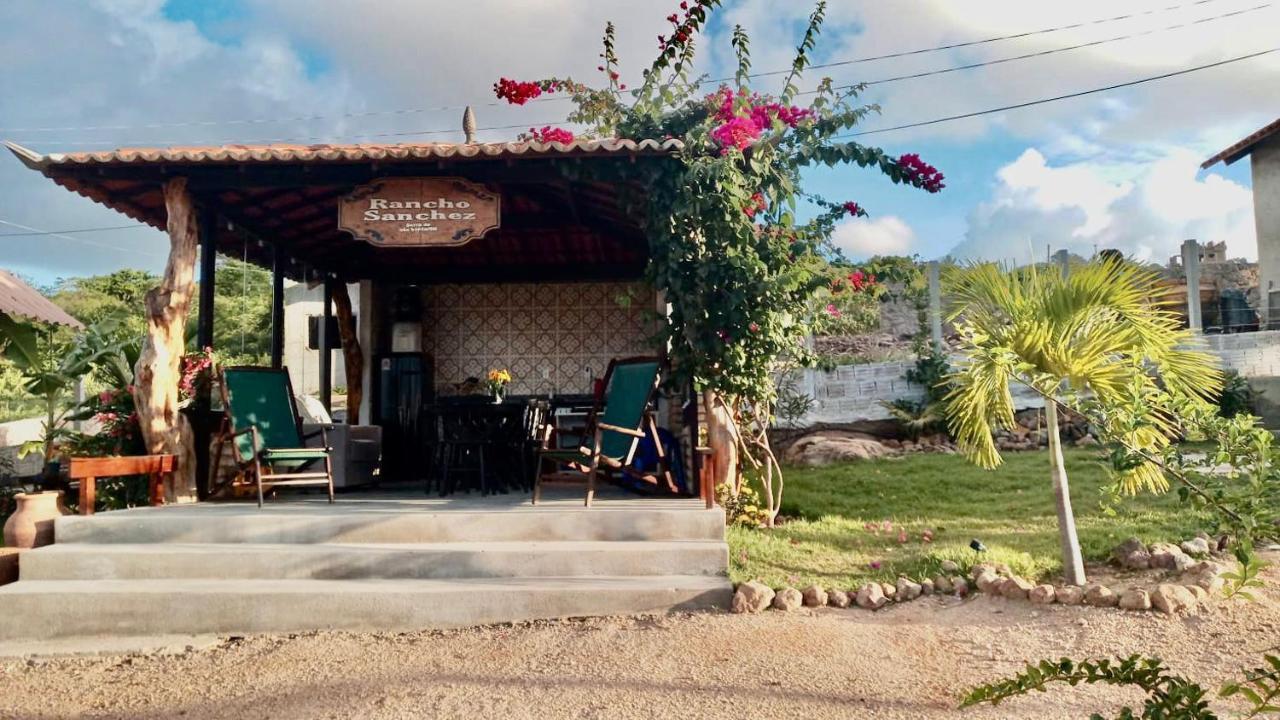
(164, 429)
(1072, 562)
(722, 441)
(352, 355)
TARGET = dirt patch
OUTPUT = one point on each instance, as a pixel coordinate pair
(908, 661)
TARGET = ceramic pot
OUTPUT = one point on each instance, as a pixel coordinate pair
(32, 525)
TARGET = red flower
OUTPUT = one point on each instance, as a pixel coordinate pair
(738, 132)
(684, 6)
(832, 310)
(549, 134)
(920, 173)
(852, 208)
(518, 93)
(754, 327)
(757, 204)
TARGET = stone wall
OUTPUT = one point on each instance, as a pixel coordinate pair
(854, 393)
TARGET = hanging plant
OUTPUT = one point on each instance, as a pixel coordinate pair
(740, 269)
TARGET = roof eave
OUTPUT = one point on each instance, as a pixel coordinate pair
(29, 157)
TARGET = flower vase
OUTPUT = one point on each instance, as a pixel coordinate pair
(497, 397)
(31, 526)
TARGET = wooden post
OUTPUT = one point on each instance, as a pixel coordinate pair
(277, 307)
(722, 440)
(326, 356)
(352, 356)
(164, 429)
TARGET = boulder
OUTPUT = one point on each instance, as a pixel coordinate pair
(814, 596)
(756, 596)
(981, 568)
(1207, 574)
(960, 585)
(1171, 599)
(788, 599)
(907, 590)
(988, 582)
(1042, 594)
(926, 587)
(1195, 546)
(871, 596)
(889, 590)
(1201, 595)
(1016, 588)
(1164, 556)
(1183, 562)
(1099, 595)
(838, 598)
(1069, 594)
(950, 567)
(1132, 554)
(831, 446)
(1135, 599)
(943, 584)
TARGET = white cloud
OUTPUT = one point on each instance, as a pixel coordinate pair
(1142, 209)
(863, 237)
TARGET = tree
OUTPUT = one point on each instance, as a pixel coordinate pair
(729, 249)
(1100, 332)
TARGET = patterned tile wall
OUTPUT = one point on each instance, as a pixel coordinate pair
(547, 335)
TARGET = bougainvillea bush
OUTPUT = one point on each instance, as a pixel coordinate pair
(739, 248)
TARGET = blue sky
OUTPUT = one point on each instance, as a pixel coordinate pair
(1110, 170)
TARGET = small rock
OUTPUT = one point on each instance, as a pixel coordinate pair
(1165, 556)
(988, 581)
(1016, 588)
(1042, 594)
(981, 568)
(1132, 554)
(739, 604)
(889, 590)
(1003, 569)
(950, 566)
(1135, 599)
(960, 586)
(1069, 594)
(1099, 595)
(907, 590)
(788, 599)
(756, 596)
(1201, 595)
(926, 587)
(1196, 546)
(1183, 562)
(943, 584)
(871, 596)
(838, 598)
(1171, 599)
(1084, 441)
(814, 596)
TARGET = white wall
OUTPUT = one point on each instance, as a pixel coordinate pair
(303, 363)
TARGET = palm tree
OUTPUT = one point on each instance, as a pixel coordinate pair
(1100, 336)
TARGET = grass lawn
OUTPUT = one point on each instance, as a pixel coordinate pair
(825, 541)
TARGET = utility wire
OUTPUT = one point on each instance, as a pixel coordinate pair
(1069, 96)
(412, 111)
(80, 230)
(117, 248)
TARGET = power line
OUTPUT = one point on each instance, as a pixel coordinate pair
(85, 241)
(561, 98)
(1069, 96)
(79, 230)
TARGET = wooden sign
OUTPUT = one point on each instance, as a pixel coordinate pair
(416, 212)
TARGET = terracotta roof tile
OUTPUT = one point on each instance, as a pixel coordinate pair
(20, 299)
(344, 153)
(1242, 148)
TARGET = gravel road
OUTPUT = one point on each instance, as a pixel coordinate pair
(908, 661)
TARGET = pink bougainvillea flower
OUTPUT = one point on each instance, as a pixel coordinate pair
(737, 133)
(832, 310)
(852, 208)
(874, 564)
(754, 327)
(549, 134)
(921, 173)
(517, 92)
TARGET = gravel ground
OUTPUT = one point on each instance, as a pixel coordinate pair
(908, 661)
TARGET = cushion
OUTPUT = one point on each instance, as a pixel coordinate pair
(313, 411)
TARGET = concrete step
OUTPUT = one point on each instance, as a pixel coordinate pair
(237, 523)
(341, 561)
(45, 609)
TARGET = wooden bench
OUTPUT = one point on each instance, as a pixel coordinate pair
(88, 470)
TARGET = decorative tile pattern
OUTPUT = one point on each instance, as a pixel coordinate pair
(548, 335)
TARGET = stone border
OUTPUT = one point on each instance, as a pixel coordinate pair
(1204, 580)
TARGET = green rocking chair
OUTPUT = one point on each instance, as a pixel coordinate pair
(265, 433)
(614, 428)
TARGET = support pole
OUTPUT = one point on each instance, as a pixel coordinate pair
(1191, 266)
(277, 307)
(935, 305)
(326, 355)
(201, 422)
